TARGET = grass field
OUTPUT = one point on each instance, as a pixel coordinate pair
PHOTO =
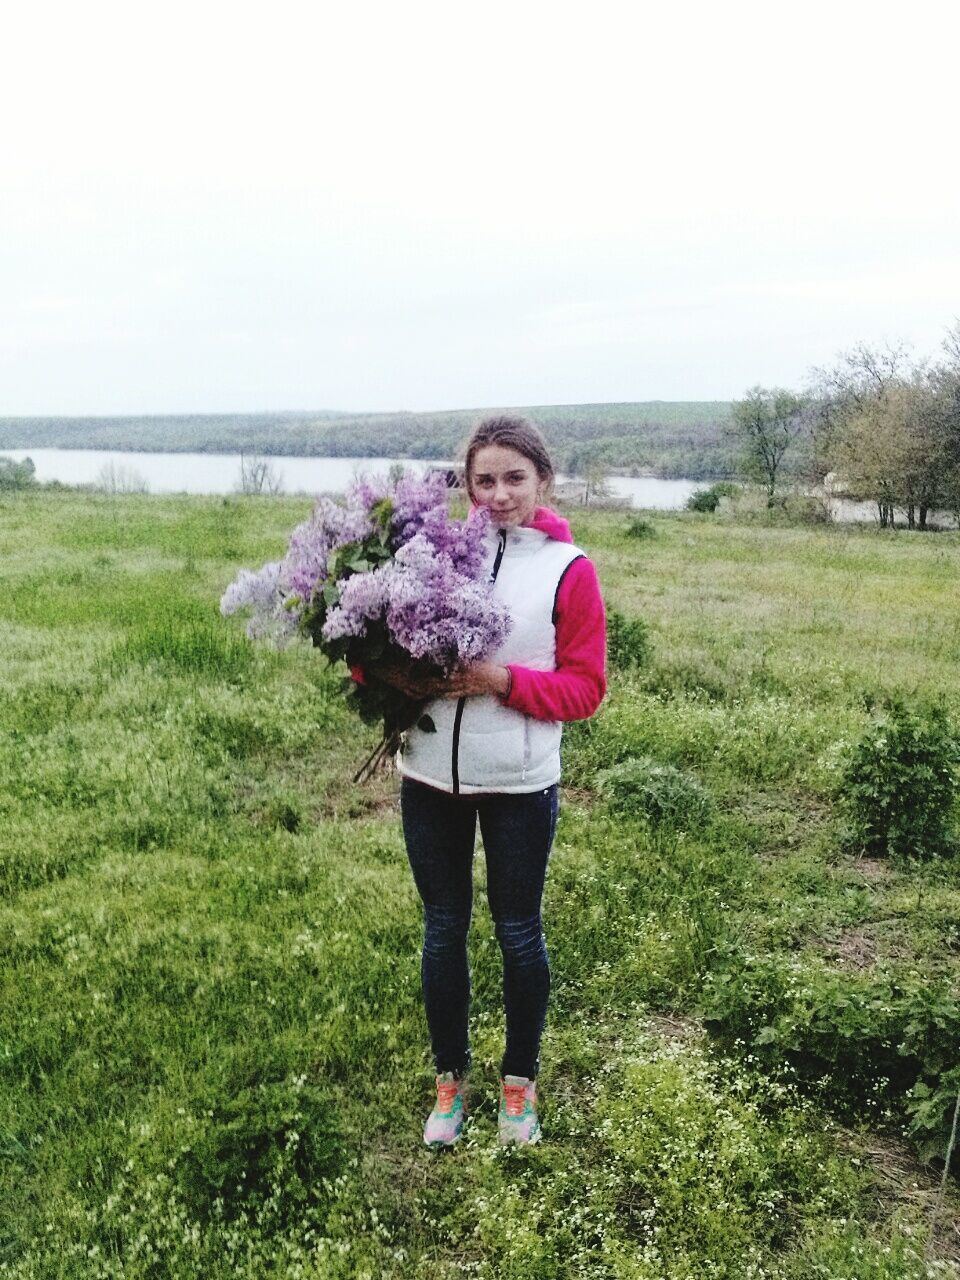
(212, 1050)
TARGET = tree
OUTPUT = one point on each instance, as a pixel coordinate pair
(17, 475)
(591, 464)
(259, 475)
(114, 479)
(597, 475)
(766, 422)
(944, 422)
(873, 451)
(892, 429)
(838, 393)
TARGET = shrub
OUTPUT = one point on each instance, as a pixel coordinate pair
(275, 1134)
(806, 510)
(17, 475)
(709, 499)
(661, 794)
(283, 811)
(640, 528)
(628, 641)
(866, 1043)
(899, 785)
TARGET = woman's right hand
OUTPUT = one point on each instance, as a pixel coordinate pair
(420, 688)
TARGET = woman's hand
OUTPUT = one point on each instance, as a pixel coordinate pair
(481, 678)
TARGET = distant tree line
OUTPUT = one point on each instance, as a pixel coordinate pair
(886, 427)
(662, 438)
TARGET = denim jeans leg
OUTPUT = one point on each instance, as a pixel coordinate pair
(518, 834)
(440, 831)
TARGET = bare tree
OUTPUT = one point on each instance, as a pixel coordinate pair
(259, 475)
(112, 478)
(951, 344)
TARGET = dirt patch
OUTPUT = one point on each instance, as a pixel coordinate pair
(851, 949)
(871, 869)
(862, 946)
(901, 1179)
(675, 1026)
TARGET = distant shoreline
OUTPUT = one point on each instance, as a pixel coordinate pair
(658, 439)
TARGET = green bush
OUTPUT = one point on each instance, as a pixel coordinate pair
(17, 475)
(709, 499)
(871, 1044)
(276, 1134)
(899, 785)
(640, 528)
(628, 641)
(660, 793)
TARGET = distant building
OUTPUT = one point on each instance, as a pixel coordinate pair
(452, 473)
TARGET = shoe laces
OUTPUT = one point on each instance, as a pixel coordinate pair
(514, 1098)
(447, 1091)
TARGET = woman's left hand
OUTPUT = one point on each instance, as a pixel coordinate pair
(482, 677)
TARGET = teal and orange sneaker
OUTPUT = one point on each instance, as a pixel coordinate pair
(517, 1121)
(445, 1122)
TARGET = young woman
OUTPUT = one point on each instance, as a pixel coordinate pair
(495, 755)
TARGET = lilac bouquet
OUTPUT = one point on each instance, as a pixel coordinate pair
(386, 581)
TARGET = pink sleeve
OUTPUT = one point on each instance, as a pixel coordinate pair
(576, 688)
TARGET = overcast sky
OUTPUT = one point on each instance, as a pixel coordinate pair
(215, 208)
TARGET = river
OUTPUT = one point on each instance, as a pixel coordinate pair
(220, 473)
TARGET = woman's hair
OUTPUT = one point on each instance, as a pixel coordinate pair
(509, 431)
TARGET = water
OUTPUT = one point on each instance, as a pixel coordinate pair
(220, 473)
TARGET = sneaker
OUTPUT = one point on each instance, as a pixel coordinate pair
(445, 1122)
(517, 1121)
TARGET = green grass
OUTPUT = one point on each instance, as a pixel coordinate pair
(212, 1048)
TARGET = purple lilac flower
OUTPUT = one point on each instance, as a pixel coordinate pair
(432, 610)
(363, 598)
(431, 595)
(415, 497)
(264, 593)
(367, 490)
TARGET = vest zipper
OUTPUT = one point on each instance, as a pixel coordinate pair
(461, 702)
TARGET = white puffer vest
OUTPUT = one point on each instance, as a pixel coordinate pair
(480, 744)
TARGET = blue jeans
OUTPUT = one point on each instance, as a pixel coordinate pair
(517, 830)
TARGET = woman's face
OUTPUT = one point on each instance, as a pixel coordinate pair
(506, 482)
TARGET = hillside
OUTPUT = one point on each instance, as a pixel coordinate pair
(664, 438)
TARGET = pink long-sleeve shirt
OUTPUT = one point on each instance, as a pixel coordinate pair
(575, 689)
